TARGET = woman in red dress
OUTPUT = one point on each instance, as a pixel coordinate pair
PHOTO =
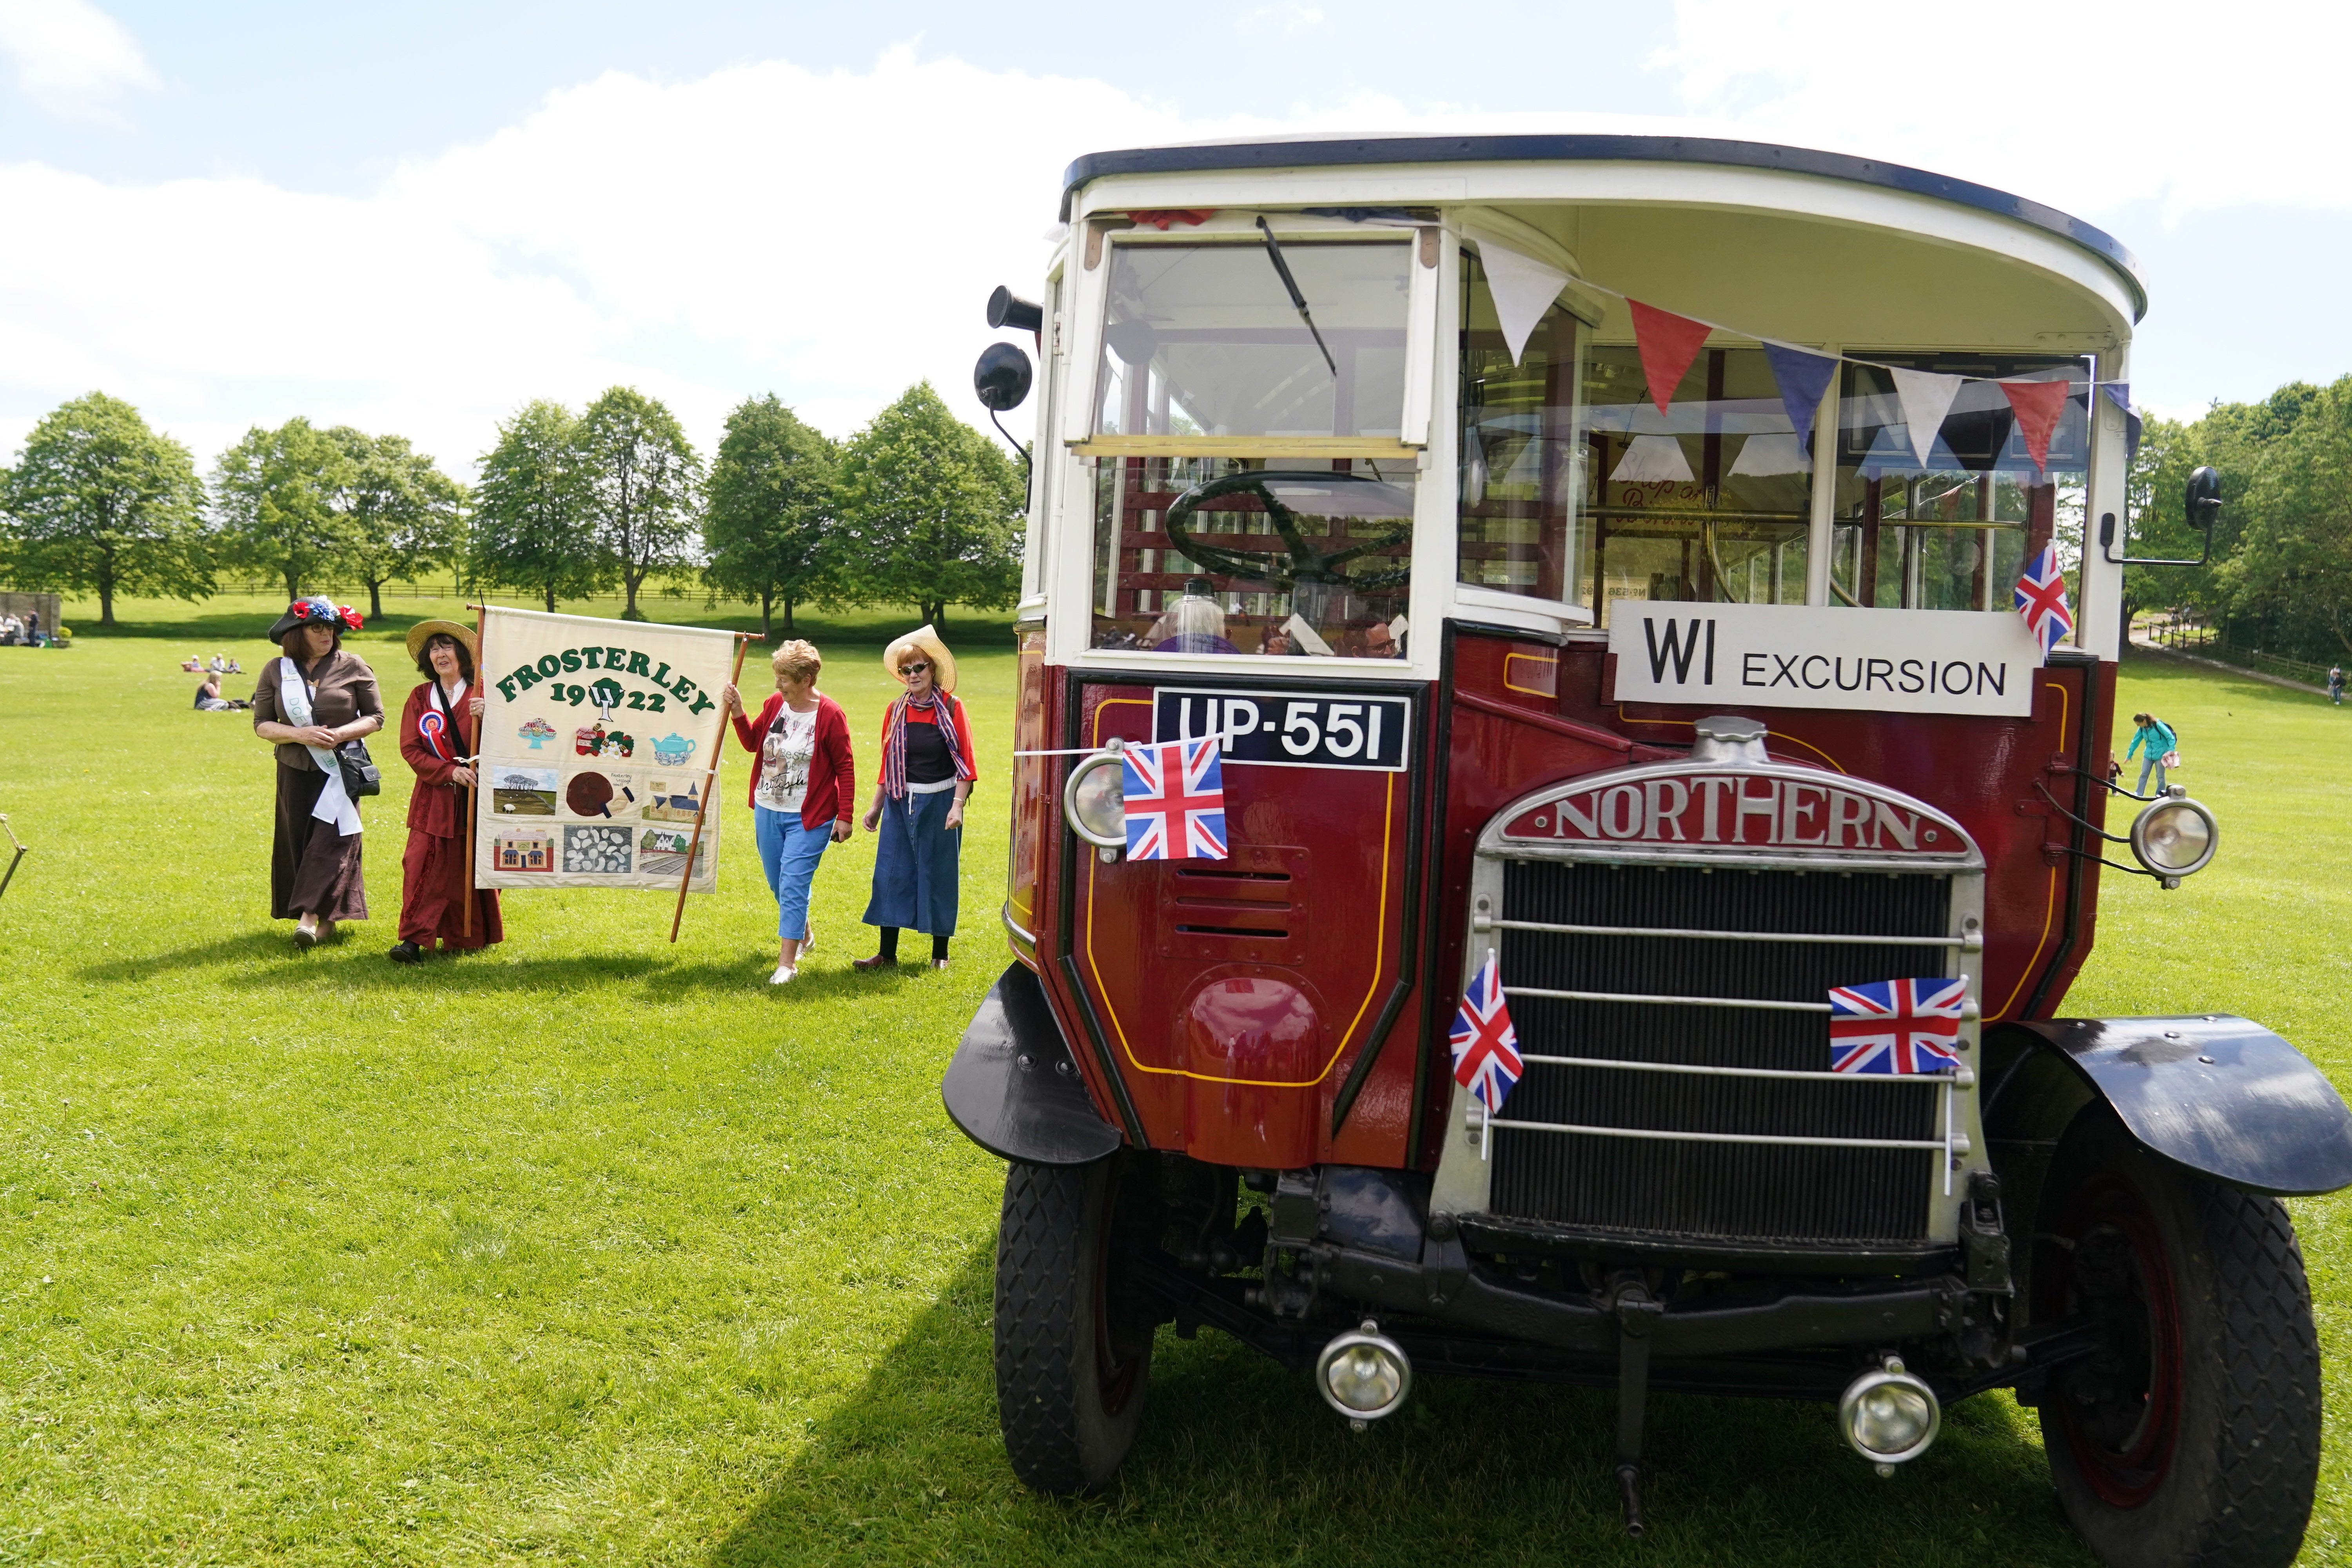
(438, 727)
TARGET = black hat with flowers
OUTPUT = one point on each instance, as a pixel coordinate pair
(315, 612)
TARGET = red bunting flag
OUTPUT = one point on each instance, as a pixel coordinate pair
(1668, 343)
(2038, 405)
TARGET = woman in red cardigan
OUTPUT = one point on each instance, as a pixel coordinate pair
(438, 727)
(803, 785)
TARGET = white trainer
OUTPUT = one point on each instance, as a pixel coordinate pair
(783, 972)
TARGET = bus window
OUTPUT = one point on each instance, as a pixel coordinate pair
(1575, 489)
(1203, 340)
(1954, 532)
(1711, 500)
(1522, 465)
(1220, 556)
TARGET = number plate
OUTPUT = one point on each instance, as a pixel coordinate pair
(1289, 728)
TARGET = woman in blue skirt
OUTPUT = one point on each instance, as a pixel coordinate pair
(926, 773)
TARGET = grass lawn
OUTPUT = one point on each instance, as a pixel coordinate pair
(593, 1248)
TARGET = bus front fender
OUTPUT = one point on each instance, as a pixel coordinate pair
(1012, 1087)
(2220, 1096)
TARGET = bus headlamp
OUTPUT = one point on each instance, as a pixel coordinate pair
(1094, 802)
(1363, 1376)
(2174, 837)
(1889, 1416)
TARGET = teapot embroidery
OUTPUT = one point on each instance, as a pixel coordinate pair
(672, 749)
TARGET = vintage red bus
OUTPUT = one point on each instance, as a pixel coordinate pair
(1591, 562)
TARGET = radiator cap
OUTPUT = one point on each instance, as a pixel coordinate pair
(1728, 741)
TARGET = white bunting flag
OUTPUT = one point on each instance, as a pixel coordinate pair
(1926, 397)
(1656, 459)
(1522, 287)
(1770, 453)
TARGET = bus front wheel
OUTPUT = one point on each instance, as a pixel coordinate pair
(1073, 1345)
(2191, 1434)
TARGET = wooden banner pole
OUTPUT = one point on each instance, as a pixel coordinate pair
(473, 795)
(710, 779)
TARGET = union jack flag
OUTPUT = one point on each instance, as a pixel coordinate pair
(1486, 1047)
(2041, 599)
(1175, 800)
(1896, 1025)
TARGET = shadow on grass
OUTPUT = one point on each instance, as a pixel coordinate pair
(1238, 1461)
(245, 947)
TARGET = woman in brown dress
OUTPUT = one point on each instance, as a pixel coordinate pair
(437, 729)
(312, 698)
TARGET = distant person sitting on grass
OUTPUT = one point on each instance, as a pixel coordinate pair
(210, 700)
(2163, 750)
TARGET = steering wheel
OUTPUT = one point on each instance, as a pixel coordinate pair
(1304, 562)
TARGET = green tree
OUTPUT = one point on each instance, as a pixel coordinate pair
(276, 504)
(405, 515)
(767, 524)
(2290, 572)
(99, 502)
(641, 483)
(929, 511)
(529, 525)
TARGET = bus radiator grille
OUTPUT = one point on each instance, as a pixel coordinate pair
(1706, 1191)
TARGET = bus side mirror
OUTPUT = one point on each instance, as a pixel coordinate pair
(1005, 309)
(2201, 507)
(2202, 503)
(1002, 377)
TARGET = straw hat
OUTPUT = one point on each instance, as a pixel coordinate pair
(424, 632)
(943, 670)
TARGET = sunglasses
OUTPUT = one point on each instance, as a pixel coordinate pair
(913, 666)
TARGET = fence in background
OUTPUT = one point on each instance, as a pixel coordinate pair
(2192, 635)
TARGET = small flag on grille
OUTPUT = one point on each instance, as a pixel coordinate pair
(1486, 1047)
(1175, 800)
(1896, 1025)
(2041, 599)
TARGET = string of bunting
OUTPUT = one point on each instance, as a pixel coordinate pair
(1668, 343)
(1523, 287)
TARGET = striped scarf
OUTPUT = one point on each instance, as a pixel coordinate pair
(894, 743)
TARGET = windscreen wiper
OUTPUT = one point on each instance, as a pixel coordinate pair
(1282, 268)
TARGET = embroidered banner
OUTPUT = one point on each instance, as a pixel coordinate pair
(596, 746)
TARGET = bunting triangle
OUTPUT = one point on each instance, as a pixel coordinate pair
(1668, 343)
(1654, 459)
(1523, 290)
(1803, 377)
(2038, 405)
(2119, 393)
(1774, 452)
(1926, 397)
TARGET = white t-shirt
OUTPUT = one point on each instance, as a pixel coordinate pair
(785, 754)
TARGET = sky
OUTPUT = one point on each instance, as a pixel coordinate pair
(413, 218)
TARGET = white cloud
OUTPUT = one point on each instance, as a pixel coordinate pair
(833, 237)
(2086, 107)
(1287, 20)
(71, 58)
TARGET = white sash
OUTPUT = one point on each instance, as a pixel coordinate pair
(294, 702)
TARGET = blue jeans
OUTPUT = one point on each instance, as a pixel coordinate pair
(2153, 759)
(789, 853)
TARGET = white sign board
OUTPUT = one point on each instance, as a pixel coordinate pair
(596, 751)
(1787, 656)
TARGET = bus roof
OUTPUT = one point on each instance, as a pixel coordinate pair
(1332, 151)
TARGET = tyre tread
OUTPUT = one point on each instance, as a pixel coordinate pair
(2269, 1459)
(1036, 1383)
